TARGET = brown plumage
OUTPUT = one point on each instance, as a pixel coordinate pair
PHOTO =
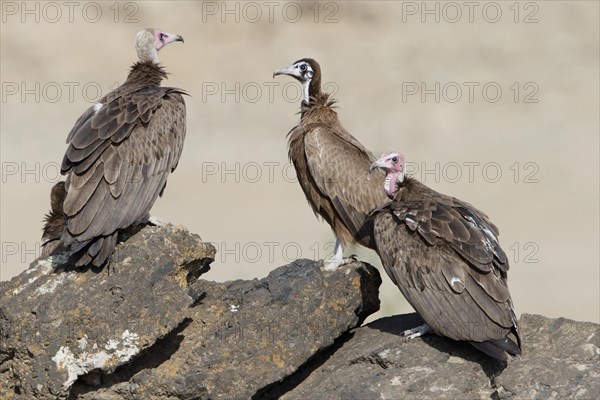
(55, 220)
(331, 165)
(445, 257)
(120, 153)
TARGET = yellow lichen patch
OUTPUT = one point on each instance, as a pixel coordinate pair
(277, 360)
(170, 369)
(181, 278)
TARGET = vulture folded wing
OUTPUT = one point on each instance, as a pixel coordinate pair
(86, 116)
(489, 230)
(456, 300)
(339, 166)
(119, 160)
(443, 219)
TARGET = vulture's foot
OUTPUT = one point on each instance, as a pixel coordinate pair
(156, 221)
(338, 257)
(416, 332)
(333, 263)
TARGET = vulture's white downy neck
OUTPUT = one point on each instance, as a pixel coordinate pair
(306, 87)
(145, 47)
(148, 54)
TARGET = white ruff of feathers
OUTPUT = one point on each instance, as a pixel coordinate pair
(388, 181)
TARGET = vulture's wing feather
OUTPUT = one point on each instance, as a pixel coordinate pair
(440, 218)
(119, 159)
(82, 120)
(490, 231)
(446, 265)
(339, 166)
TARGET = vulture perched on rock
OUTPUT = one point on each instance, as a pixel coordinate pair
(445, 257)
(120, 153)
(331, 165)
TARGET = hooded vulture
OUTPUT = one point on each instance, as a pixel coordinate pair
(119, 155)
(445, 257)
(331, 165)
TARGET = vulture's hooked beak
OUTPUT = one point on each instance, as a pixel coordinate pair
(375, 165)
(174, 38)
(291, 71)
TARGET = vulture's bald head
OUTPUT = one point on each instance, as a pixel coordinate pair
(149, 41)
(393, 165)
(389, 162)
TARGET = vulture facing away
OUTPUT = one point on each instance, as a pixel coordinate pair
(445, 257)
(120, 153)
(331, 165)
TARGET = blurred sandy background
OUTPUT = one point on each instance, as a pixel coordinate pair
(545, 202)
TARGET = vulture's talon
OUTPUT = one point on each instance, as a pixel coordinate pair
(152, 220)
(331, 265)
(416, 332)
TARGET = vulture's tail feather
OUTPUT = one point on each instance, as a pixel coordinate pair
(107, 249)
(95, 251)
(55, 221)
(498, 348)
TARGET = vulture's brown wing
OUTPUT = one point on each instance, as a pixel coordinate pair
(118, 160)
(340, 169)
(445, 265)
(443, 219)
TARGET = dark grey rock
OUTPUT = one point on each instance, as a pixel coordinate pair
(145, 327)
(561, 360)
(60, 324)
(246, 335)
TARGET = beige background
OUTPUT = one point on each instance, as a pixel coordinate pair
(549, 228)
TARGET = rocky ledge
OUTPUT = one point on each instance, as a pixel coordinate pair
(147, 327)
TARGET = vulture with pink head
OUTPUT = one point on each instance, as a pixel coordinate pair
(331, 165)
(444, 256)
(119, 155)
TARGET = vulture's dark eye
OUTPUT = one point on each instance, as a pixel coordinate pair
(303, 67)
(394, 159)
(161, 36)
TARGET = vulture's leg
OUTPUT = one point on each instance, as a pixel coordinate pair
(338, 257)
(417, 331)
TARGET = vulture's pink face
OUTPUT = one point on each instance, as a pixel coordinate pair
(393, 165)
(161, 39)
(392, 162)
